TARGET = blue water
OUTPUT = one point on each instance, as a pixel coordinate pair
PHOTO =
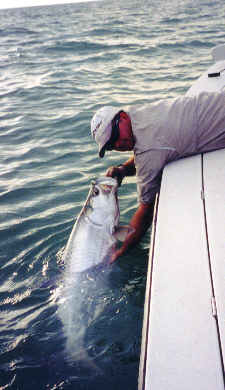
(58, 65)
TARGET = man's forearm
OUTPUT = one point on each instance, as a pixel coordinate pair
(129, 167)
(140, 221)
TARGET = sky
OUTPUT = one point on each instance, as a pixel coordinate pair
(28, 3)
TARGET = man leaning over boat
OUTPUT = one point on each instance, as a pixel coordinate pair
(157, 133)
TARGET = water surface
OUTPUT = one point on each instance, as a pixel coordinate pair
(58, 65)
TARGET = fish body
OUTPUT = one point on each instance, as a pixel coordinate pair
(93, 237)
(88, 251)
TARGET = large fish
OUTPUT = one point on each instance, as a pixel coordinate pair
(88, 251)
(96, 231)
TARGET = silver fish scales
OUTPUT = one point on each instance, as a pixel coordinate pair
(92, 239)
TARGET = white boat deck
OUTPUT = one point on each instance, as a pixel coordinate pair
(183, 338)
(183, 344)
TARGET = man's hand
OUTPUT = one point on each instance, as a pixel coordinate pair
(125, 169)
(115, 255)
(140, 222)
(116, 172)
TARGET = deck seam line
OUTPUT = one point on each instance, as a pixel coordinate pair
(210, 265)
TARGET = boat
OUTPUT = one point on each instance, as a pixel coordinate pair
(183, 335)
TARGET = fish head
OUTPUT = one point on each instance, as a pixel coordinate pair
(103, 201)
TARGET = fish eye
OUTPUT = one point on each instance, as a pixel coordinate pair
(95, 191)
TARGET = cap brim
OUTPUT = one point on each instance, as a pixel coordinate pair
(108, 133)
(102, 151)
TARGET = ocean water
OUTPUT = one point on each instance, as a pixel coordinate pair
(58, 65)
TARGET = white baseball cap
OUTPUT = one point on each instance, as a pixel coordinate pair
(101, 126)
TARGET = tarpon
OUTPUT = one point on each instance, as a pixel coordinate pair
(95, 233)
(88, 252)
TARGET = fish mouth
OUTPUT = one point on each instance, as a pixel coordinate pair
(105, 180)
